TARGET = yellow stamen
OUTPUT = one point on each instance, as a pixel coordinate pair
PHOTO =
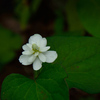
(35, 48)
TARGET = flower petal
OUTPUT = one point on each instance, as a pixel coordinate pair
(36, 38)
(50, 56)
(42, 57)
(37, 64)
(43, 42)
(27, 52)
(24, 60)
(32, 58)
(44, 49)
(27, 47)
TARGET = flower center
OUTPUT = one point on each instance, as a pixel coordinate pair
(35, 48)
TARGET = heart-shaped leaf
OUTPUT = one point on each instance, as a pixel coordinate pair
(80, 56)
(18, 87)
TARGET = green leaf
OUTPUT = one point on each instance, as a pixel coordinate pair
(80, 57)
(89, 13)
(55, 72)
(18, 87)
(9, 42)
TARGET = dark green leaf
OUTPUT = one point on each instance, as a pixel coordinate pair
(80, 57)
(18, 87)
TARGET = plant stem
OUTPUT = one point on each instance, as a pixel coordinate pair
(36, 73)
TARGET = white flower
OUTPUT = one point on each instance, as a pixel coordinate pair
(35, 52)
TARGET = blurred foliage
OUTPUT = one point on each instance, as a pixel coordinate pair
(74, 23)
(35, 5)
(89, 14)
(9, 42)
(59, 24)
(59, 27)
(24, 10)
(58, 4)
(23, 14)
(79, 15)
